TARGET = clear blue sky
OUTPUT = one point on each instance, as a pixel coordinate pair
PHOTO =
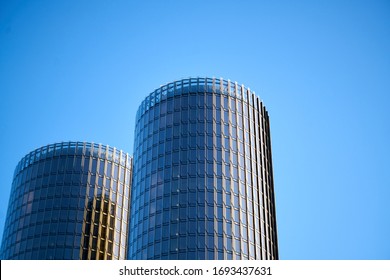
(77, 70)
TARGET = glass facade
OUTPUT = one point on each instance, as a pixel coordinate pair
(203, 179)
(69, 200)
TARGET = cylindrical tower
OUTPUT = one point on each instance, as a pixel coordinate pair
(69, 200)
(203, 180)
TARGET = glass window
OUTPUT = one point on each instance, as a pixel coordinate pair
(163, 107)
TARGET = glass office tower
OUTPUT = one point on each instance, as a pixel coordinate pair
(203, 181)
(69, 200)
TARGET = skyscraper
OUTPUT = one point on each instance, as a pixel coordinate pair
(201, 186)
(69, 200)
(203, 180)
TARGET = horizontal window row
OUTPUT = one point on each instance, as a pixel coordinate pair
(190, 255)
(216, 154)
(60, 253)
(200, 116)
(197, 244)
(170, 131)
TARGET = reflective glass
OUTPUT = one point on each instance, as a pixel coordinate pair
(208, 151)
(56, 218)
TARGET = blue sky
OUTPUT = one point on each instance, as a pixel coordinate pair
(77, 70)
